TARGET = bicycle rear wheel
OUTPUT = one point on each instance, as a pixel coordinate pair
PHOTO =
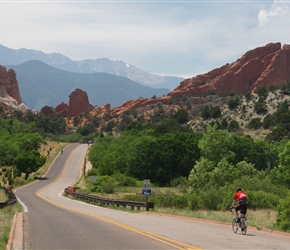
(235, 226)
(244, 226)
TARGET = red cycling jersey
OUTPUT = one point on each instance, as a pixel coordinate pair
(240, 196)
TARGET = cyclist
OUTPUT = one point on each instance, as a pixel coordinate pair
(242, 206)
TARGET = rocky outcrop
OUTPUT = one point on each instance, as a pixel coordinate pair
(62, 109)
(78, 103)
(9, 90)
(261, 67)
(47, 111)
(9, 81)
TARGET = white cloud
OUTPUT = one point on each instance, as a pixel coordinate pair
(278, 10)
(177, 38)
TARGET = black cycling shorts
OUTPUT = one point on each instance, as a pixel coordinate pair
(243, 208)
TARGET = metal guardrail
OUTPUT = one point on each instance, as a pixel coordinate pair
(11, 198)
(98, 199)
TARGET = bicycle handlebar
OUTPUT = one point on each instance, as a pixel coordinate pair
(232, 208)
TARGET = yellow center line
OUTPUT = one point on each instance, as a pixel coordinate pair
(165, 240)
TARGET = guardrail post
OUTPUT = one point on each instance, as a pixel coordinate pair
(69, 190)
(149, 205)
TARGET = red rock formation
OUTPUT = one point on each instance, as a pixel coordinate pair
(47, 111)
(261, 67)
(62, 109)
(9, 81)
(78, 103)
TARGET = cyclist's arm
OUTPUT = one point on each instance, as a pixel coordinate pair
(234, 201)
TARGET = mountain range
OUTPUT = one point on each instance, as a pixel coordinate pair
(101, 65)
(42, 85)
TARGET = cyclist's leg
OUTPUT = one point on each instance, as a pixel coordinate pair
(244, 208)
(238, 208)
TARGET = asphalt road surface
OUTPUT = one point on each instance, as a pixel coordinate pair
(52, 221)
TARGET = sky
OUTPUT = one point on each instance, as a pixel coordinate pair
(177, 38)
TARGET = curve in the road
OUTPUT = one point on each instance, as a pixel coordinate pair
(93, 227)
(38, 224)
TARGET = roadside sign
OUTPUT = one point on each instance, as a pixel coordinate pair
(146, 183)
(146, 191)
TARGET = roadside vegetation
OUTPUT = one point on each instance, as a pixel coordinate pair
(6, 218)
(194, 157)
(3, 196)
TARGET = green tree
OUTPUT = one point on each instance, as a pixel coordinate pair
(205, 113)
(255, 123)
(181, 116)
(28, 142)
(224, 124)
(168, 126)
(215, 144)
(222, 174)
(283, 217)
(28, 162)
(233, 126)
(216, 112)
(283, 169)
(262, 92)
(260, 106)
(268, 121)
(200, 176)
(234, 103)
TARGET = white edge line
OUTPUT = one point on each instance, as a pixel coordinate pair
(25, 209)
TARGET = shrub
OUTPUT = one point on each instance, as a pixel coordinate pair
(261, 200)
(181, 183)
(19, 181)
(93, 171)
(169, 200)
(255, 123)
(124, 180)
(205, 113)
(109, 185)
(216, 112)
(210, 199)
(105, 184)
(233, 126)
(192, 201)
(262, 92)
(283, 217)
(233, 103)
(260, 107)
(268, 121)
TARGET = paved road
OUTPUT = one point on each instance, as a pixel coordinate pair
(55, 222)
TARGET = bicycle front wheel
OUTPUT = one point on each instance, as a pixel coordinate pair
(235, 226)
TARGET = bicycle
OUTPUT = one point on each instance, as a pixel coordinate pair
(241, 223)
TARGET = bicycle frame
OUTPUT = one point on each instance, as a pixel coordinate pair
(242, 224)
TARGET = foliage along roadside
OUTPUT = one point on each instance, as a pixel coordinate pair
(206, 167)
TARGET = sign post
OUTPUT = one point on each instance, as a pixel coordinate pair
(146, 191)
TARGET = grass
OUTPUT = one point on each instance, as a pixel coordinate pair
(6, 218)
(3, 196)
(264, 218)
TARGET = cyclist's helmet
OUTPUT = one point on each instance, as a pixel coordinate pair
(238, 189)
